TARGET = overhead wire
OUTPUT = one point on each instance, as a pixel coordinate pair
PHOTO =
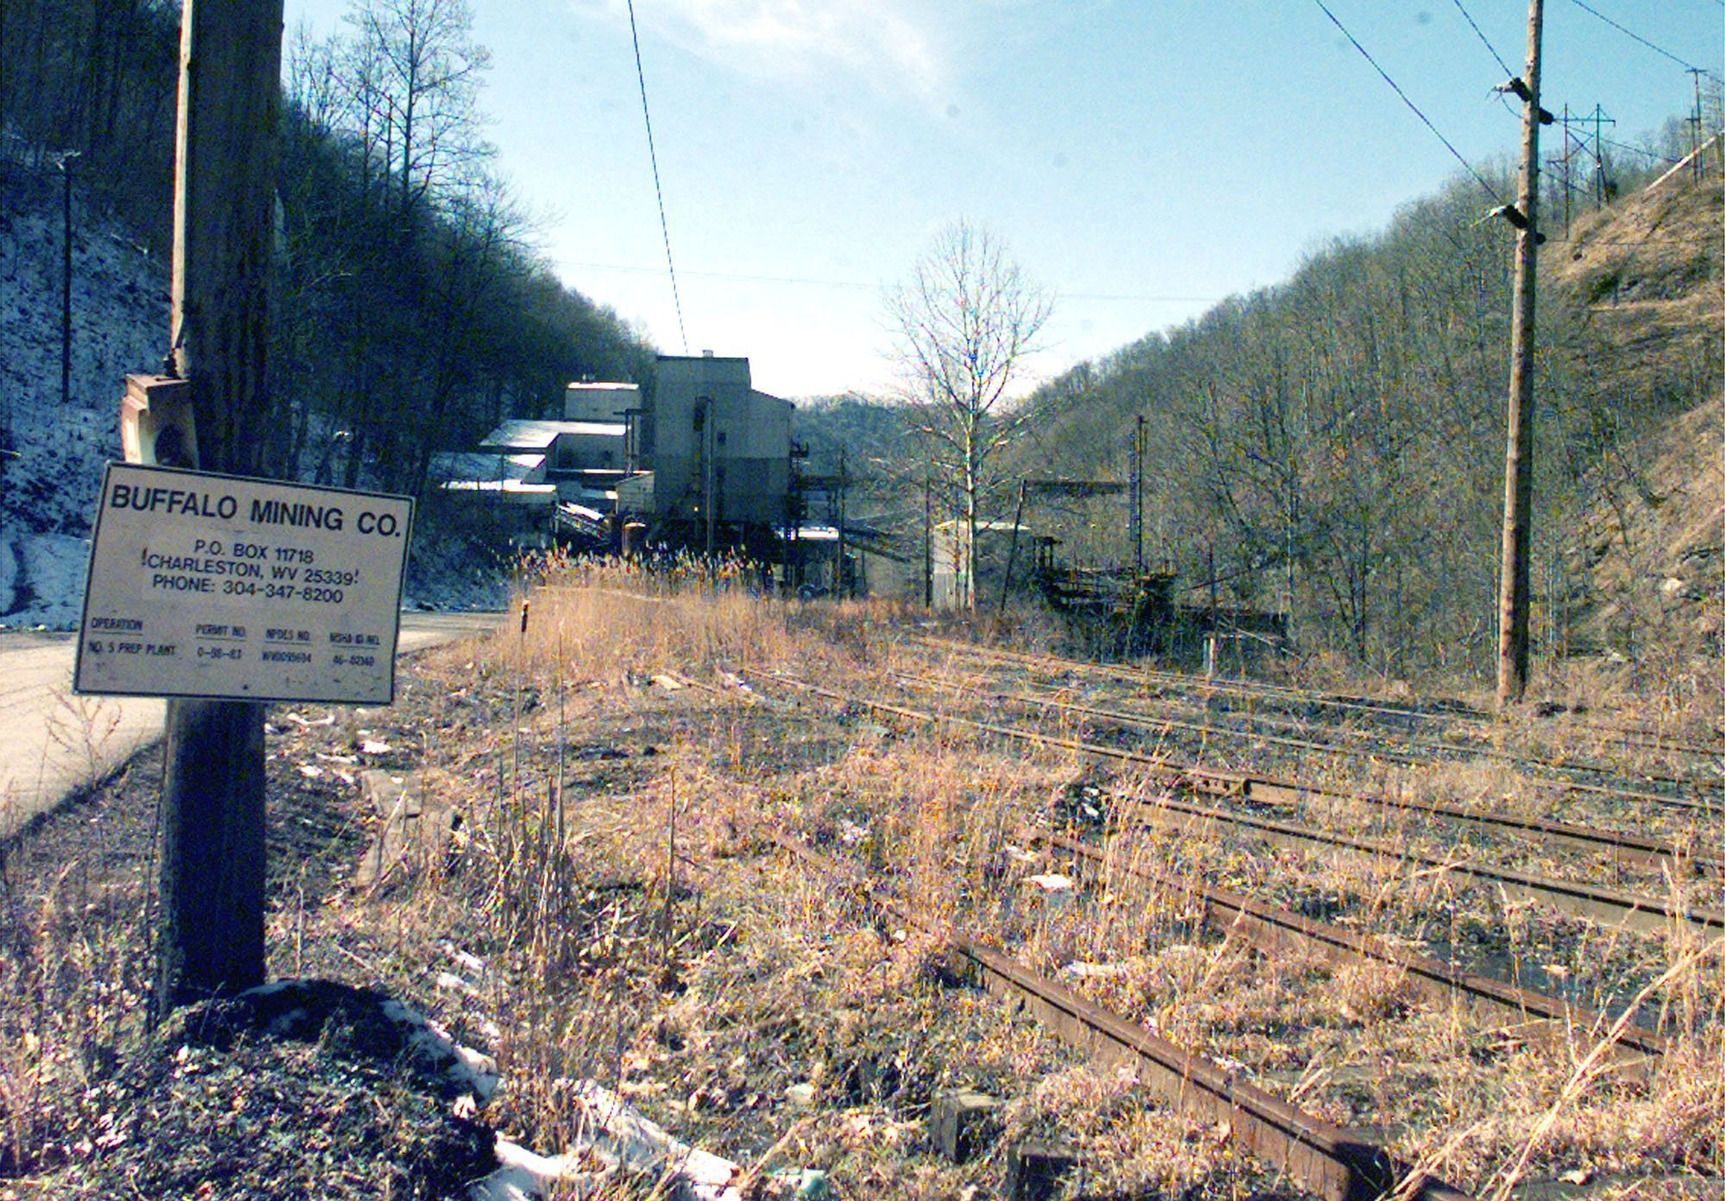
(1642, 150)
(1485, 41)
(817, 282)
(658, 189)
(1625, 30)
(1508, 71)
(1396, 87)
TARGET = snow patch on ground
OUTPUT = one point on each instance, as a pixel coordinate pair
(448, 572)
(52, 569)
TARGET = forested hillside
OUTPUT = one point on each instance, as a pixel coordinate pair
(409, 309)
(1646, 562)
(1337, 441)
(1334, 445)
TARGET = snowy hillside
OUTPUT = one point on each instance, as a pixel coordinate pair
(51, 455)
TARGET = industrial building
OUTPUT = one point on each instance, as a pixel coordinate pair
(710, 459)
(699, 460)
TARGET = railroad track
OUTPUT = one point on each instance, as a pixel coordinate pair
(1336, 1163)
(1366, 745)
(1607, 906)
(1629, 735)
(1560, 772)
(1621, 846)
(1276, 931)
(1597, 903)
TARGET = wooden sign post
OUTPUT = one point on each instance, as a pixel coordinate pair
(213, 869)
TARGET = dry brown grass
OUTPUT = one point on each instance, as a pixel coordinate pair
(634, 927)
(74, 969)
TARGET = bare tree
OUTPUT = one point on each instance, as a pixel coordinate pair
(963, 324)
(415, 77)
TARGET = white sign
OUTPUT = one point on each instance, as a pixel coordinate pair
(219, 586)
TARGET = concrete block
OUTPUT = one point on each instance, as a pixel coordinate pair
(1035, 1169)
(962, 1123)
(414, 831)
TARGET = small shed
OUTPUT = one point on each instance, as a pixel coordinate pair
(1007, 555)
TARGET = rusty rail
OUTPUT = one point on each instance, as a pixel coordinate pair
(1274, 930)
(1249, 688)
(1596, 903)
(1608, 906)
(1336, 1163)
(1617, 846)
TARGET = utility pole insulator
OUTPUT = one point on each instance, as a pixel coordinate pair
(1518, 219)
(1519, 89)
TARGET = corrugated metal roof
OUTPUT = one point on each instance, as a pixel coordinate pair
(539, 435)
(510, 487)
(484, 466)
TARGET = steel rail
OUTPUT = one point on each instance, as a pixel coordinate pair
(1141, 675)
(1447, 752)
(1631, 736)
(1648, 739)
(1618, 846)
(1336, 1163)
(1274, 930)
(1596, 903)
(1049, 665)
(1607, 906)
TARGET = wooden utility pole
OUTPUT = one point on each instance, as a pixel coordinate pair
(1135, 519)
(66, 157)
(927, 541)
(212, 875)
(1514, 595)
(839, 588)
(1696, 148)
(1210, 655)
(1012, 554)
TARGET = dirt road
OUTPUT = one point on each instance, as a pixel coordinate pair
(52, 743)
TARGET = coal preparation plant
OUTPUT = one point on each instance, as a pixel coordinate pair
(697, 460)
(708, 462)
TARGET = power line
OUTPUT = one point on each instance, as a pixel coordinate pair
(1584, 6)
(658, 191)
(1586, 241)
(809, 281)
(816, 282)
(1448, 145)
(1468, 17)
(1642, 150)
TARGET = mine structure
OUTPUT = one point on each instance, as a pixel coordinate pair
(708, 461)
(702, 461)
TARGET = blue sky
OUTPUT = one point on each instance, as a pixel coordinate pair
(1141, 158)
